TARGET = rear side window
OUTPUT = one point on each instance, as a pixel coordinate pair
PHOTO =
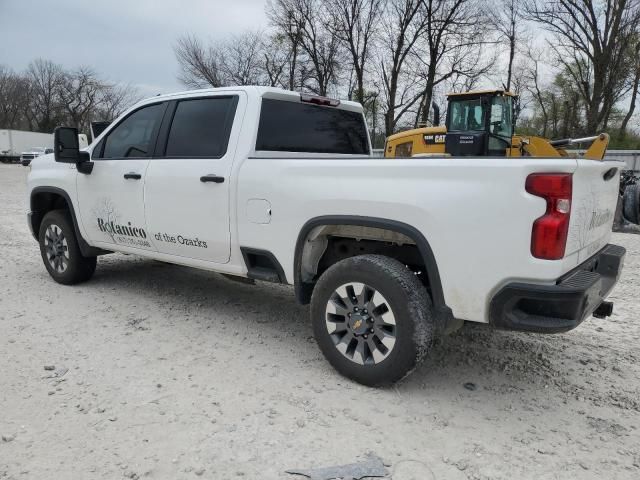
(201, 127)
(404, 149)
(299, 127)
(135, 136)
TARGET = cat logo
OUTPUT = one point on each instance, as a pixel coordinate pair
(433, 139)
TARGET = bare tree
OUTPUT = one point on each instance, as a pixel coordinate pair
(590, 39)
(277, 55)
(507, 20)
(46, 79)
(454, 36)
(80, 92)
(558, 109)
(114, 100)
(289, 33)
(14, 99)
(306, 23)
(242, 60)
(46, 96)
(403, 24)
(535, 87)
(199, 65)
(519, 86)
(248, 58)
(634, 60)
(354, 23)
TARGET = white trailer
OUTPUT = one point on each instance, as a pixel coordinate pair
(14, 142)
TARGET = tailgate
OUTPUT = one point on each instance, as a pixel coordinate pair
(593, 206)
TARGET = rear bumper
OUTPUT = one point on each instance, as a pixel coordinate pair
(563, 306)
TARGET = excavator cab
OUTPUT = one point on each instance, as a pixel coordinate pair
(479, 123)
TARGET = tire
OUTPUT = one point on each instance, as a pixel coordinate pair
(631, 204)
(401, 333)
(60, 251)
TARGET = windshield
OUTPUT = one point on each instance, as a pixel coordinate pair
(466, 115)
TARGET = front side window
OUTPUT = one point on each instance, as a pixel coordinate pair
(201, 127)
(466, 115)
(134, 137)
(501, 122)
(97, 150)
(299, 127)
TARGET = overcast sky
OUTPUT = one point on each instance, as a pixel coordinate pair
(125, 41)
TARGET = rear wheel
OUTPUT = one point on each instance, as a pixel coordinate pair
(60, 251)
(631, 204)
(372, 319)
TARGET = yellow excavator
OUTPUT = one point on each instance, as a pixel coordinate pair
(480, 124)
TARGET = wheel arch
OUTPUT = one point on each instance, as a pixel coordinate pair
(45, 199)
(303, 289)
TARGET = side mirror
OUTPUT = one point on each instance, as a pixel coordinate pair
(66, 148)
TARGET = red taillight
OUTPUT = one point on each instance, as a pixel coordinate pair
(318, 100)
(549, 234)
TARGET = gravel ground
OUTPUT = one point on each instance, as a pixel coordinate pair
(166, 372)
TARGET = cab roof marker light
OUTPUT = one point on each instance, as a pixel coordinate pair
(318, 100)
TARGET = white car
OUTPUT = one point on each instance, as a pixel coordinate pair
(280, 186)
(27, 157)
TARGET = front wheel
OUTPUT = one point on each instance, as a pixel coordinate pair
(372, 319)
(60, 251)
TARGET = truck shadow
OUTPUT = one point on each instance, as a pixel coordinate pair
(476, 354)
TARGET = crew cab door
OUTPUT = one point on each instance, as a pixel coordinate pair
(187, 186)
(111, 197)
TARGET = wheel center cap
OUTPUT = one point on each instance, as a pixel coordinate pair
(358, 323)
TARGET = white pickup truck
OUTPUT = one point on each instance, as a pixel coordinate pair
(280, 186)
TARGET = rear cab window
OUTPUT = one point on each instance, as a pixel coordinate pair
(289, 126)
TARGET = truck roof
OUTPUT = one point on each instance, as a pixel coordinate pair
(251, 90)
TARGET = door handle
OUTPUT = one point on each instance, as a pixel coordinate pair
(132, 176)
(212, 178)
